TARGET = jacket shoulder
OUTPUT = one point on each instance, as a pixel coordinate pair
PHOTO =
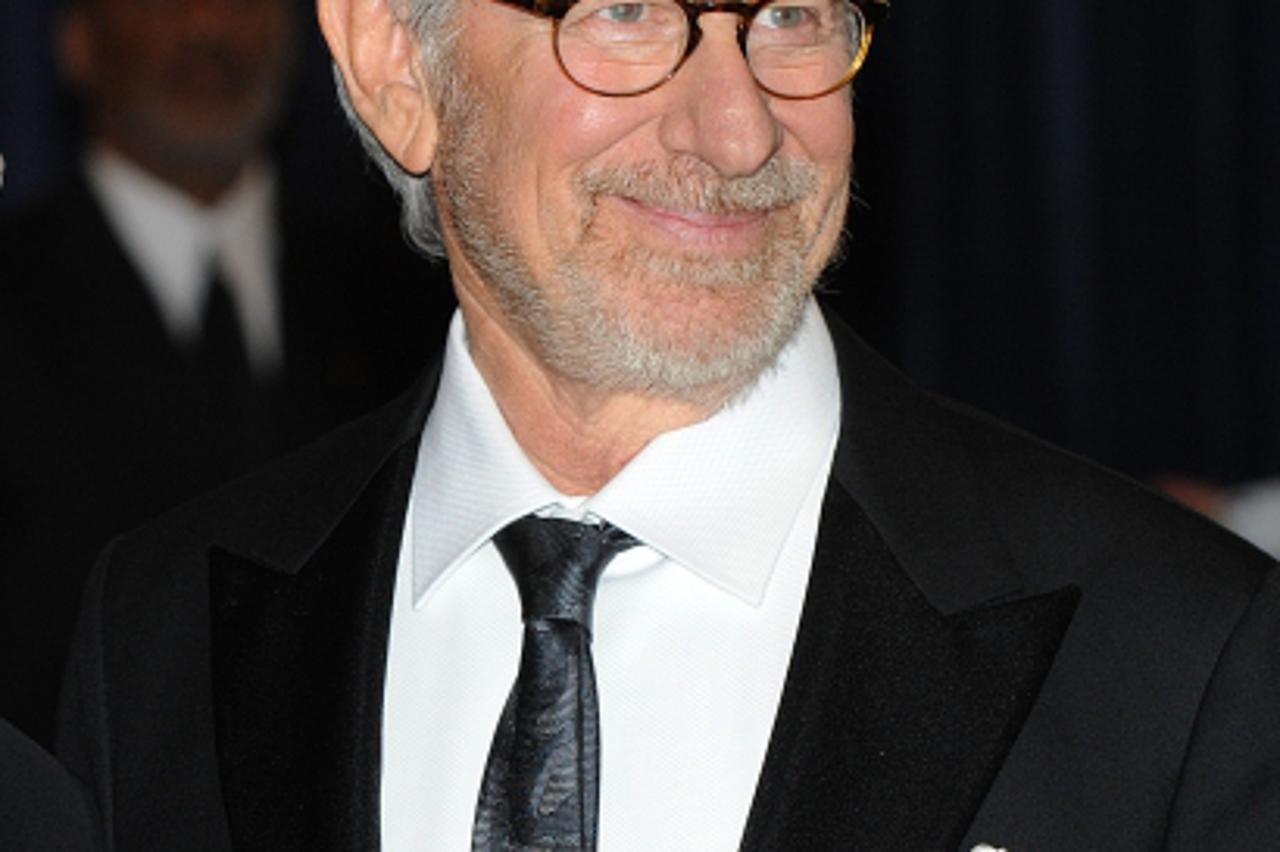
(1057, 507)
(276, 514)
(928, 466)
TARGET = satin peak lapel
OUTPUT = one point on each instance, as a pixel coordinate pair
(895, 717)
(299, 659)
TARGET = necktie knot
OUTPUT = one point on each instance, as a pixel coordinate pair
(557, 564)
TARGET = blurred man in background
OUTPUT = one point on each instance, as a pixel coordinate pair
(1251, 510)
(178, 313)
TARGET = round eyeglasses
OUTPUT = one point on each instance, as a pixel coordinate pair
(796, 49)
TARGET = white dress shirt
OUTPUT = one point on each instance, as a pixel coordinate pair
(693, 630)
(174, 241)
(1253, 512)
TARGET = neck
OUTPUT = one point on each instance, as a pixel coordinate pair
(205, 180)
(578, 437)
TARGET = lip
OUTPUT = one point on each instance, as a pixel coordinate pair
(700, 230)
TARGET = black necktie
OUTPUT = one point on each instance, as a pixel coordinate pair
(224, 359)
(234, 410)
(541, 784)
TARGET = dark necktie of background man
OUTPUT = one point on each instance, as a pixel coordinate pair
(223, 357)
(237, 414)
(541, 784)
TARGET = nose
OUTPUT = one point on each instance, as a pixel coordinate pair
(718, 114)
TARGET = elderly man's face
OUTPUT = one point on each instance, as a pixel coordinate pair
(661, 243)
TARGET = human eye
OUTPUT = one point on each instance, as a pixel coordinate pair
(624, 13)
(787, 17)
(632, 13)
(644, 20)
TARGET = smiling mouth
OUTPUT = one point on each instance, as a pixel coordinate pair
(700, 230)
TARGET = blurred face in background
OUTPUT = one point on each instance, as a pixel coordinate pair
(183, 87)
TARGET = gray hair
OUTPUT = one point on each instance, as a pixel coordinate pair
(434, 23)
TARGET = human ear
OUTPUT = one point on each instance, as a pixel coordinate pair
(381, 64)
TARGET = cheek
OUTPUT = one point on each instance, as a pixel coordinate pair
(823, 134)
(575, 129)
(823, 130)
(574, 132)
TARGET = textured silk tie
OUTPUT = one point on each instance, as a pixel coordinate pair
(541, 784)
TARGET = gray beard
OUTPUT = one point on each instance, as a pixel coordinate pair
(589, 337)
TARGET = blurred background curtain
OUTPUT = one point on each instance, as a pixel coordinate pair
(35, 132)
(1070, 212)
(1073, 221)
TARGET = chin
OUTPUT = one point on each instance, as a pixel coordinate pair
(692, 342)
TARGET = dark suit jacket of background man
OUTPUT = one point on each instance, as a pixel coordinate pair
(1000, 643)
(101, 427)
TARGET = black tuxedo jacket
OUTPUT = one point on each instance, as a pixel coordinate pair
(103, 425)
(1000, 644)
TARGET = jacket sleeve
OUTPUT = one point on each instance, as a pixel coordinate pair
(1228, 793)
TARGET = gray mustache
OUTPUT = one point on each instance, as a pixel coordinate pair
(695, 188)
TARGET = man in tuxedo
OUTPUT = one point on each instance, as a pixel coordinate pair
(830, 611)
(185, 309)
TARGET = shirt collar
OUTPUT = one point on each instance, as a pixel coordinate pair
(172, 238)
(718, 497)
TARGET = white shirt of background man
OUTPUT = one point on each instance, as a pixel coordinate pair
(174, 242)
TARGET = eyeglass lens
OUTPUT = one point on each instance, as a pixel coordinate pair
(795, 48)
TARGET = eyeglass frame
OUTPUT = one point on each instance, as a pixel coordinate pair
(872, 11)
